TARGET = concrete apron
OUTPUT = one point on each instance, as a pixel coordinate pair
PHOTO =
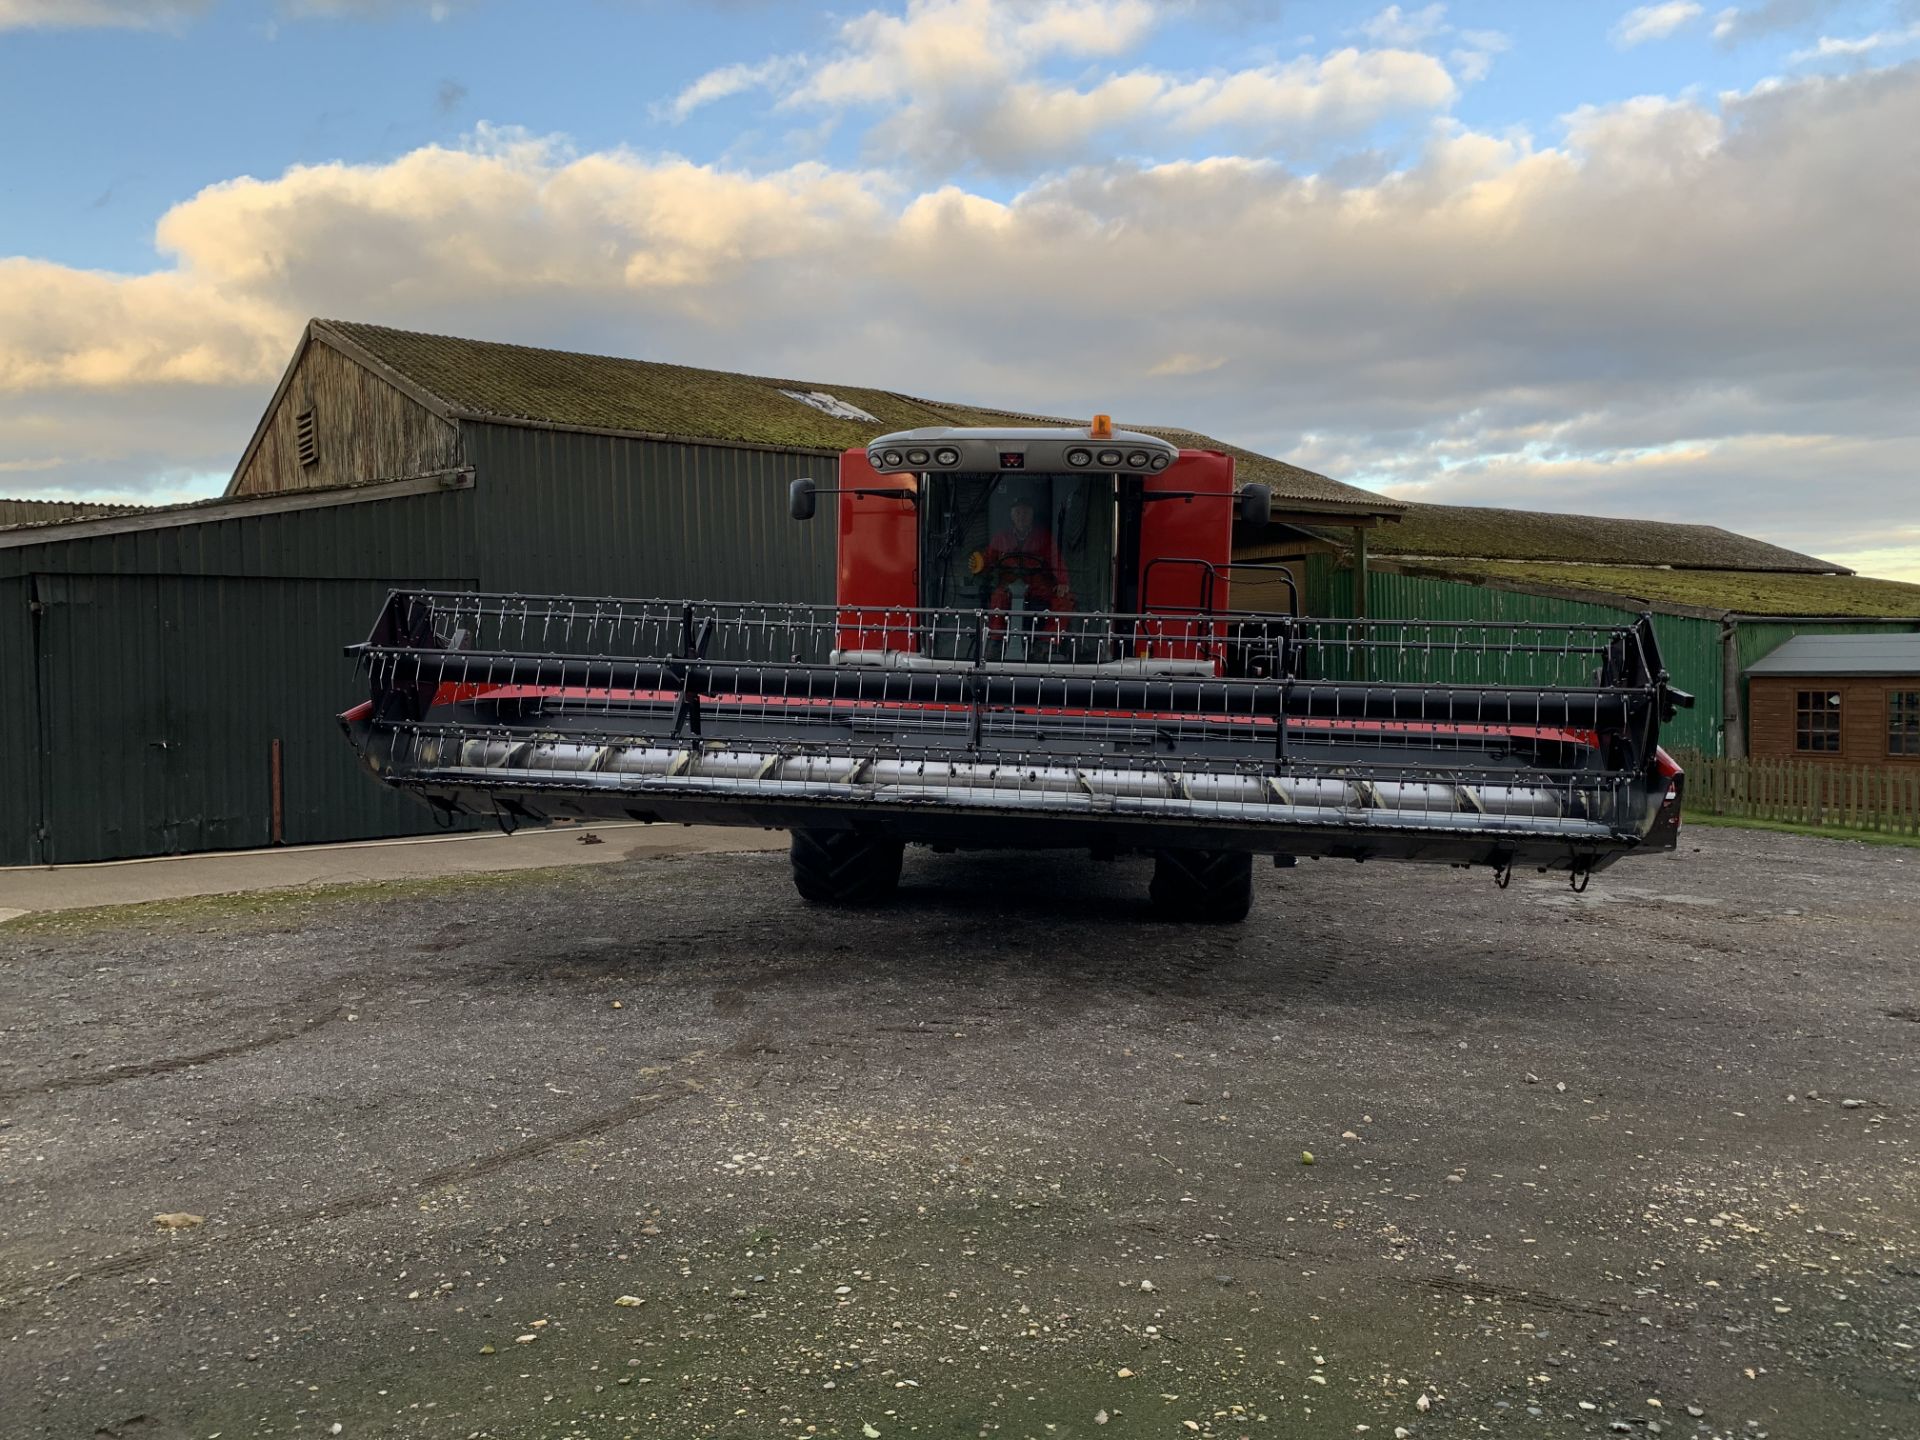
(25, 890)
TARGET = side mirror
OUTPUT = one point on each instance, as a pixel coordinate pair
(800, 499)
(1256, 504)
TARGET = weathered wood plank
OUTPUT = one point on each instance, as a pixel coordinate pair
(1818, 793)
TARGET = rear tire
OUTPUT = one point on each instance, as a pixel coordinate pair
(843, 867)
(1211, 886)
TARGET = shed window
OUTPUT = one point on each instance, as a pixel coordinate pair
(1816, 721)
(305, 438)
(1903, 722)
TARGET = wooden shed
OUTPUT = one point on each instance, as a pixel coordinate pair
(1846, 699)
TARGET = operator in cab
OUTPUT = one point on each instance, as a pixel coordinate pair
(1024, 555)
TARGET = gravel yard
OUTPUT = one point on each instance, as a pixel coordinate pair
(654, 1149)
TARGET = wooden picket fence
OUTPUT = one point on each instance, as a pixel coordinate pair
(1883, 798)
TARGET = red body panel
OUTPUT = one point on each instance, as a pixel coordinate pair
(1199, 528)
(879, 567)
(1185, 547)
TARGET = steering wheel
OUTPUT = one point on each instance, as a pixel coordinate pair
(1024, 565)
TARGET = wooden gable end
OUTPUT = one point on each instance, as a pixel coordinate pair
(334, 422)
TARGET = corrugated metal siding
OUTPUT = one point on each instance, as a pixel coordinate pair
(1318, 585)
(600, 515)
(19, 727)
(162, 730)
(213, 639)
(1690, 648)
(1692, 651)
(433, 534)
(169, 660)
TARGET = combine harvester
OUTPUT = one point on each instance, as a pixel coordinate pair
(1033, 647)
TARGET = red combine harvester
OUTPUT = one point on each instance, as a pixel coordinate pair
(1034, 647)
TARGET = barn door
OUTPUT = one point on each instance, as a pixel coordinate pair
(162, 697)
(110, 759)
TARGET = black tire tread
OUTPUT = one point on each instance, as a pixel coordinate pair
(843, 867)
(1213, 886)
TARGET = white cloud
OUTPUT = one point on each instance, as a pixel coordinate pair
(1656, 315)
(1014, 127)
(965, 83)
(1755, 484)
(1653, 22)
(1831, 47)
(1899, 560)
(168, 328)
(1739, 23)
(1346, 90)
(1183, 363)
(434, 10)
(1393, 26)
(1022, 125)
(1473, 57)
(96, 14)
(1085, 27)
(940, 46)
(175, 14)
(731, 80)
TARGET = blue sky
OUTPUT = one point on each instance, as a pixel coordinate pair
(1568, 255)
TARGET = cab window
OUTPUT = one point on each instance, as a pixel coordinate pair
(1032, 550)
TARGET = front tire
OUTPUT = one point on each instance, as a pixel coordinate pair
(1211, 886)
(843, 867)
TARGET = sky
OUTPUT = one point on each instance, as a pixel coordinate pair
(1653, 260)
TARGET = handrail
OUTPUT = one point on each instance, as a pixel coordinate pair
(1208, 580)
(1293, 588)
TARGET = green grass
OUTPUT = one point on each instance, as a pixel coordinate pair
(1787, 827)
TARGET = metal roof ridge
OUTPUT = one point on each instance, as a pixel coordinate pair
(1759, 616)
(227, 507)
(774, 380)
(569, 427)
(1836, 572)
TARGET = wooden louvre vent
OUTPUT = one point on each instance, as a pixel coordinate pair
(305, 439)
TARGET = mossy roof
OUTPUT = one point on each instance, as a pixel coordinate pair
(1486, 533)
(1741, 592)
(52, 512)
(487, 380)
